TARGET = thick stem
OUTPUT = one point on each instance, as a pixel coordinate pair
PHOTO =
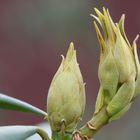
(98, 121)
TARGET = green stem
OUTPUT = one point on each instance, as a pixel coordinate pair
(43, 134)
(61, 136)
(98, 121)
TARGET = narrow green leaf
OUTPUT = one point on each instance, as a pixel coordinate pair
(10, 103)
(17, 132)
(21, 132)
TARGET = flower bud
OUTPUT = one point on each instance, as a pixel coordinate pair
(119, 69)
(66, 96)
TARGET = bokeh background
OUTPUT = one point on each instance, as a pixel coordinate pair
(33, 35)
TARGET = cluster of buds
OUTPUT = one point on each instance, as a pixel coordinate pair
(119, 75)
(119, 69)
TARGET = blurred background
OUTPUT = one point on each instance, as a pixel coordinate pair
(33, 35)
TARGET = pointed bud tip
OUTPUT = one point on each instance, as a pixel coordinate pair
(95, 18)
(96, 27)
(91, 15)
(137, 37)
(104, 9)
(122, 19)
(123, 16)
(62, 57)
(70, 51)
(72, 45)
(71, 48)
(97, 11)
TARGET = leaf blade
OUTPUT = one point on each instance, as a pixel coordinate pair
(16, 132)
(10, 103)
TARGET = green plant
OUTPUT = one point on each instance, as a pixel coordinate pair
(119, 75)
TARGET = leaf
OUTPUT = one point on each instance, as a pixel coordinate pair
(17, 132)
(46, 127)
(21, 132)
(10, 103)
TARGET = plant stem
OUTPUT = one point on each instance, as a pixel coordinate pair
(98, 120)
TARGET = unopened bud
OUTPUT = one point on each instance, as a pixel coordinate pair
(66, 96)
(119, 69)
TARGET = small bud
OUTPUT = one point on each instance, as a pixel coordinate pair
(119, 68)
(66, 96)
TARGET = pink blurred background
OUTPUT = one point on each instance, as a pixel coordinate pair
(33, 35)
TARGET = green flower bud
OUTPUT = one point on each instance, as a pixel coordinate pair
(119, 68)
(66, 96)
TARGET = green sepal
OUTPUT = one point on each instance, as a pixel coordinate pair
(124, 58)
(122, 30)
(100, 37)
(137, 63)
(107, 73)
(109, 26)
(99, 101)
(120, 114)
(101, 21)
(122, 98)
